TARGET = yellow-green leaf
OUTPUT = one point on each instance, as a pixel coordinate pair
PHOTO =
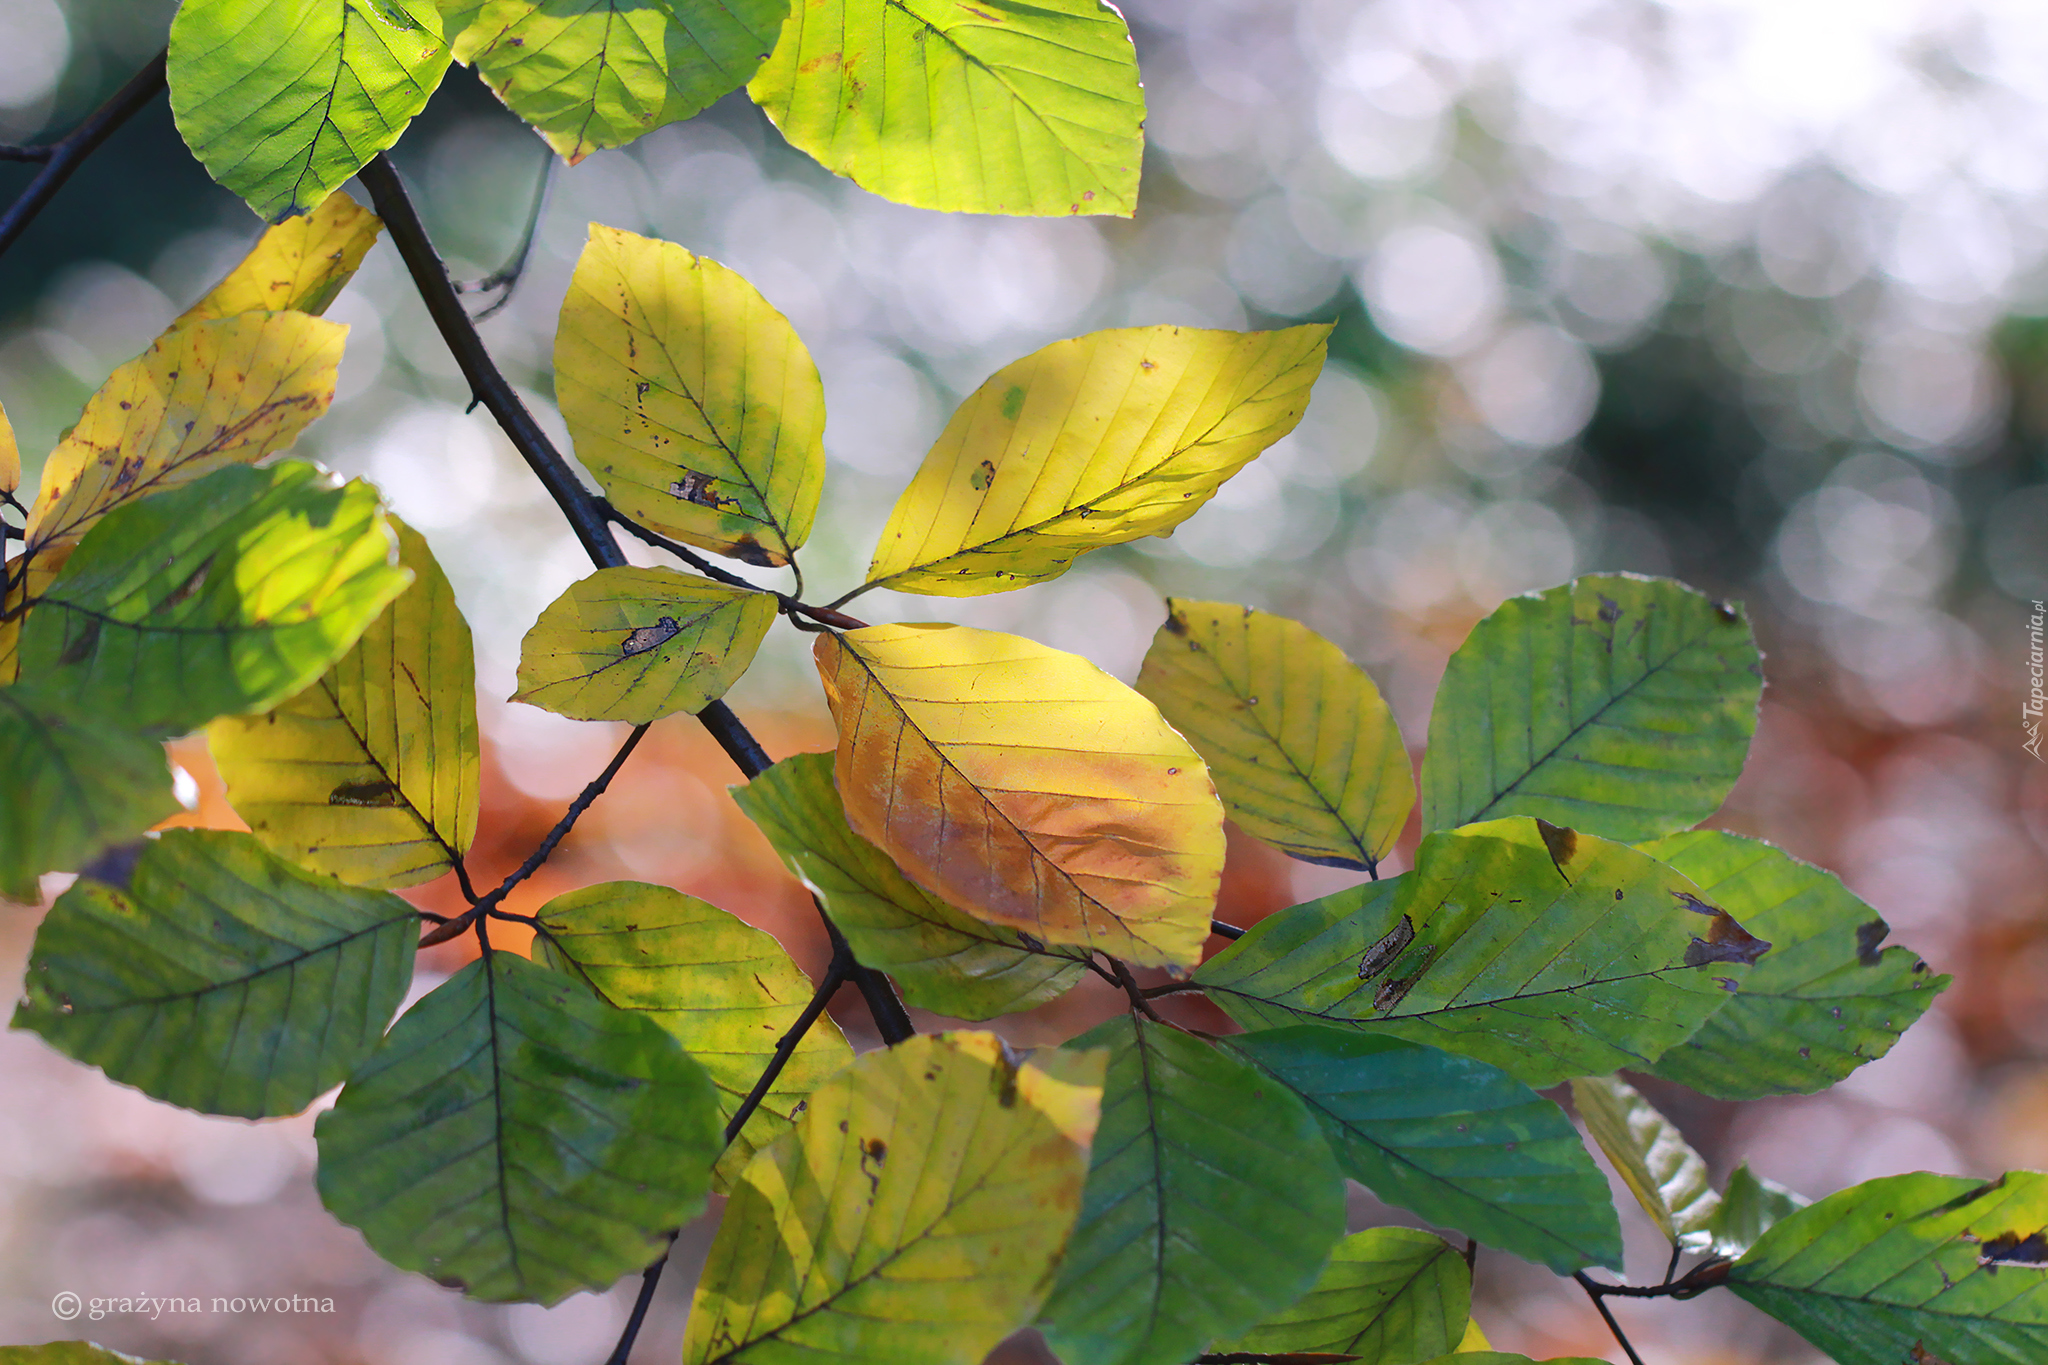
(723, 989)
(1091, 442)
(1391, 1296)
(639, 644)
(915, 1215)
(69, 1353)
(297, 266)
(370, 774)
(1026, 787)
(1660, 1168)
(1304, 751)
(10, 455)
(690, 398)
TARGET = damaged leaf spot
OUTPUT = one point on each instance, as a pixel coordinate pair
(1726, 941)
(1013, 402)
(381, 793)
(645, 638)
(702, 490)
(1381, 955)
(1868, 937)
(984, 474)
(1561, 842)
(1727, 612)
(1610, 610)
(2009, 1248)
(747, 550)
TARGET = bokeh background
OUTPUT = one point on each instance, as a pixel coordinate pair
(1752, 292)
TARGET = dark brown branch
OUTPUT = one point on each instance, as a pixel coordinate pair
(1594, 1292)
(1139, 1003)
(1708, 1274)
(63, 156)
(838, 620)
(591, 791)
(1222, 930)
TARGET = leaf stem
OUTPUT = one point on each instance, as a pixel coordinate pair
(1140, 1004)
(1594, 1292)
(1222, 930)
(791, 604)
(60, 158)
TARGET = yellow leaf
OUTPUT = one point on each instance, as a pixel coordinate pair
(229, 391)
(639, 644)
(1475, 1340)
(690, 398)
(10, 456)
(1302, 747)
(297, 266)
(915, 1214)
(1026, 787)
(370, 774)
(1091, 442)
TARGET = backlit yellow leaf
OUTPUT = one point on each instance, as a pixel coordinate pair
(914, 1216)
(690, 398)
(299, 265)
(1091, 442)
(10, 456)
(1026, 787)
(370, 774)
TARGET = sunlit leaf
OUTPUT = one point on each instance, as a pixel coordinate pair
(73, 782)
(637, 644)
(1616, 705)
(69, 1353)
(1026, 787)
(298, 265)
(914, 1215)
(1660, 1168)
(723, 989)
(1749, 1206)
(944, 960)
(590, 74)
(1392, 1296)
(1458, 1141)
(216, 393)
(1212, 1202)
(219, 977)
(1826, 1000)
(517, 1138)
(227, 595)
(1304, 751)
(370, 774)
(690, 398)
(283, 100)
(1510, 1358)
(1091, 442)
(993, 107)
(1548, 953)
(1912, 1269)
(10, 456)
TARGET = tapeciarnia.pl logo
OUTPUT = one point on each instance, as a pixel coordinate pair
(2037, 696)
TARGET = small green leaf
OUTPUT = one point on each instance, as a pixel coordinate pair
(1212, 1202)
(944, 960)
(1749, 1207)
(220, 978)
(994, 107)
(639, 644)
(1616, 705)
(723, 989)
(1303, 749)
(1910, 1269)
(1510, 1358)
(1660, 1168)
(518, 1139)
(72, 784)
(224, 596)
(283, 100)
(69, 1353)
(1819, 1005)
(1392, 1296)
(1460, 1142)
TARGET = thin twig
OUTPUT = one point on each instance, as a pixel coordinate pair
(1123, 978)
(1671, 1270)
(1594, 1292)
(591, 791)
(508, 278)
(1222, 930)
(1471, 1253)
(791, 605)
(649, 1278)
(63, 156)
(1708, 1274)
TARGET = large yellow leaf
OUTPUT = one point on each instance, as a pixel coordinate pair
(1026, 787)
(690, 398)
(299, 265)
(1091, 442)
(10, 456)
(914, 1216)
(370, 774)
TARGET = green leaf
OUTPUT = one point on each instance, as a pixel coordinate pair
(1510, 1358)
(517, 1138)
(691, 399)
(1549, 953)
(1660, 1168)
(639, 644)
(72, 784)
(993, 107)
(723, 989)
(1822, 1003)
(590, 74)
(1616, 705)
(913, 1216)
(943, 959)
(1460, 1142)
(220, 978)
(1749, 1207)
(1910, 1269)
(1303, 749)
(372, 773)
(1212, 1202)
(226, 595)
(1392, 1296)
(68, 1353)
(283, 100)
